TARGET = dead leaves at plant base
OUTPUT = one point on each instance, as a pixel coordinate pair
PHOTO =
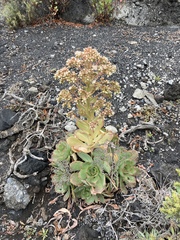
(62, 222)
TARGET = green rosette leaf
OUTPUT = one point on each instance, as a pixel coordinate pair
(99, 187)
(93, 171)
(62, 152)
(90, 200)
(67, 195)
(107, 167)
(85, 157)
(76, 166)
(75, 180)
(82, 192)
(83, 171)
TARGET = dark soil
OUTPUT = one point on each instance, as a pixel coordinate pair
(29, 58)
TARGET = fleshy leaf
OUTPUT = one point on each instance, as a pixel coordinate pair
(100, 185)
(92, 180)
(75, 180)
(84, 149)
(62, 152)
(107, 167)
(84, 137)
(77, 145)
(103, 137)
(83, 125)
(85, 157)
(76, 166)
(98, 126)
(83, 171)
(67, 195)
(101, 198)
(122, 186)
(90, 200)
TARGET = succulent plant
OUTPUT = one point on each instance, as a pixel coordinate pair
(84, 192)
(60, 160)
(93, 176)
(90, 135)
(61, 179)
(88, 173)
(125, 170)
(171, 205)
(62, 152)
(90, 165)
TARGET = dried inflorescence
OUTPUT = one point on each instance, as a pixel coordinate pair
(88, 88)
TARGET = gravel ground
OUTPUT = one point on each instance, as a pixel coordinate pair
(144, 56)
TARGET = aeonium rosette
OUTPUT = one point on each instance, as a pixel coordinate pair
(62, 152)
(88, 173)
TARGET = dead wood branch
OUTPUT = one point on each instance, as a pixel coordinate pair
(141, 126)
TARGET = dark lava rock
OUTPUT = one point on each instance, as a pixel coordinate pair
(86, 233)
(32, 165)
(77, 11)
(159, 98)
(4, 145)
(7, 119)
(172, 92)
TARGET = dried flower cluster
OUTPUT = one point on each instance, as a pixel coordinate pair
(88, 88)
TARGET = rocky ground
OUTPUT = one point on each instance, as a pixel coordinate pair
(148, 70)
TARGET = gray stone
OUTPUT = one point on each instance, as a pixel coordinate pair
(143, 85)
(33, 90)
(70, 126)
(147, 12)
(122, 109)
(139, 93)
(111, 128)
(150, 97)
(132, 14)
(15, 195)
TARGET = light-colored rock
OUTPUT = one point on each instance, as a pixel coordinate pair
(70, 126)
(33, 90)
(123, 109)
(132, 13)
(137, 108)
(150, 96)
(130, 115)
(88, 19)
(170, 82)
(111, 128)
(143, 85)
(138, 93)
(15, 195)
